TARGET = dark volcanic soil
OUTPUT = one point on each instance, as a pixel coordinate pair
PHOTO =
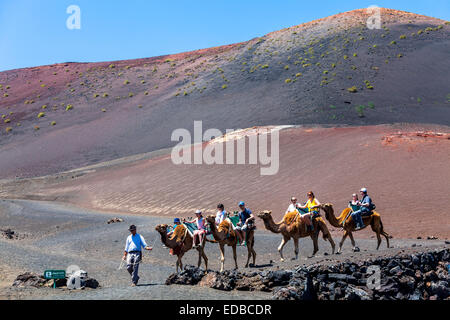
(62, 235)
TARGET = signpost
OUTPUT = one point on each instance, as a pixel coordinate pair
(55, 275)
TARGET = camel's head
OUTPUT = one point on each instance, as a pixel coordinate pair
(328, 208)
(210, 219)
(162, 228)
(264, 214)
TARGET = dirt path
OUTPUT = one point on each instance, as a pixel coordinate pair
(58, 235)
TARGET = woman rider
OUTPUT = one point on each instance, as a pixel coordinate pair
(313, 206)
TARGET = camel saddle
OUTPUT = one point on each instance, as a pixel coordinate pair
(179, 234)
(291, 217)
(226, 226)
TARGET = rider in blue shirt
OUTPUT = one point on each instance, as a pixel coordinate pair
(245, 216)
(366, 208)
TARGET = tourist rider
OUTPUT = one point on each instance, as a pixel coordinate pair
(201, 229)
(245, 217)
(293, 205)
(313, 206)
(133, 253)
(221, 214)
(366, 207)
(176, 223)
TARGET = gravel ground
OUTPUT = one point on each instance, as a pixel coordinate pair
(55, 236)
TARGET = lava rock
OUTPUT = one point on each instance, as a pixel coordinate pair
(30, 279)
(189, 276)
(219, 281)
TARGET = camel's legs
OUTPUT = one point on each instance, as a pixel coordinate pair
(249, 251)
(378, 239)
(296, 248)
(350, 234)
(314, 238)
(199, 256)
(222, 256)
(205, 258)
(387, 237)
(333, 246)
(281, 246)
(179, 262)
(327, 235)
(251, 246)
(342, 241)
(235, 256)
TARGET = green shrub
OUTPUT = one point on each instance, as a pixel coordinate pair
(403, 36)
(352, 89)
(224, 86)
(286, 67)
(41, 115)
(69, 107)
(8, 129)
(288, 80)
(126, 82)
(53, 123)
(393, 42)
(298, 74)
(360, 110)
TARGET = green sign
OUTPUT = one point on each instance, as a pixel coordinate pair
(55, 274)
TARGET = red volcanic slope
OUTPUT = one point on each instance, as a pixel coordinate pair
(298, 75)
(407, 175)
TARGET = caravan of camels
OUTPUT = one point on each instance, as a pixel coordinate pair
(299, 221)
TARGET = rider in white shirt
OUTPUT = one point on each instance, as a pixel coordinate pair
(293, 206)
(221, 214)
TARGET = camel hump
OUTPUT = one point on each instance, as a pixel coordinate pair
(178, 233)
(290, 217)
(375, 214)
(225, 226)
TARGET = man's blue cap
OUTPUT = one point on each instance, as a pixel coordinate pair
(241, 203)
(176, 220)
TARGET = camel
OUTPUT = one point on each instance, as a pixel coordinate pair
(296, 229)
(225, 235)
(374, 220)
(186, 241)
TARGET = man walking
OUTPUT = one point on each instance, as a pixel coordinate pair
(133, 253)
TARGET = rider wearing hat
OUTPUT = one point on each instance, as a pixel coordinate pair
(245, 216)
(133, 253)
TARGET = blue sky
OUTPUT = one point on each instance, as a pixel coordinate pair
(34, 32)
